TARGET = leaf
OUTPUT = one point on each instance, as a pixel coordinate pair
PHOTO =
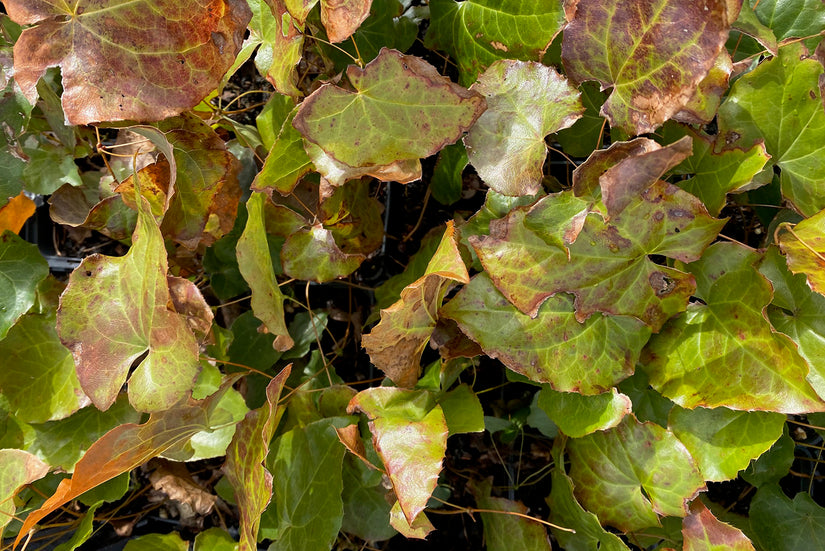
(306, 500)
(553, 347)
(578, 415)
(395, 345)
(773, 465)
(114, 312)
(365, 505)
(447, 180)
(384, 113)
(791, 18)
(749, 24)
(281, 44)
(779, 102)
(629, 474)
(337, 173)
(215, 539)
(526, 101)
(418, 529)
(286, 163)
(581, 139)
(124, 448)
(22, 268)
(251, 347)
(15, 213)
(256, 267)
(49, 166)
(503, 532)
(245, 457)
(157, 542)
(83, 531)
(341, 18)
(17, 468)
(654, 55)
(726, 338)
(94, 207)
(780, 524)
(311, 254)
(804, 247)
(704, 532)
(409, 433)
(723, 442)
(175, 481)
(608, 267)
(478, 32)
(702, 106)
(115, 66)
(462, 410)
(38, 377)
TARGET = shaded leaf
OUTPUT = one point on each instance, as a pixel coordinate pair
(175, 481)
(215, 539)
(629, 474)
(526, 101)
(654, 55)
(82, 532)
(17, 468)
(366, 510)
(553, 347)
(244, 467)
(503, 532)
(749, 24)
(157, 542)
(286, 162)
(478, 32)
(384, 113)
(114, 312)
(409, 433)
(727, 338)
(15, 213)
(93, 207)
(115, 69)
(804, 247)
(281, 43)
(447, 182)
(704, 532)
(48, 167)
(773, 465)
(781, 524)
(22, 268)
(779, 102)
(312, 254)
(578, 415)
(462, 410)
(791, 18)
(722, 441)
(581, 139)
(395, 345)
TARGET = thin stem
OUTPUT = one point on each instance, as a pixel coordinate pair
(242, 366)
(471, 510)
(420, 217)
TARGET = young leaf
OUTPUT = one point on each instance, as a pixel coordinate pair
(578, 415)
(526, 101)
(385, 112)
(114, 63)
(17, 468)
(704, 532)
(22, 268)
(395, 345)
(629, 474)
(728, 339)
(503, 532)
(410, 435)
(114, 311)
(654, 55)
(553, 347)
(244, 467)
(478, 32)
(804, 245)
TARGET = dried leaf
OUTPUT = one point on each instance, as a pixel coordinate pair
(341, 18)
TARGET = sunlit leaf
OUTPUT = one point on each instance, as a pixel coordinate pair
(727, 338)
(553, 347)
(341, 18)
(22, 268)
(395, 345)
(281, 43)
(114, 63)
(781, 524)
(653, 54)
(15, 213)
(157, 542)
(410, 435)
(701, 108)
(631, 473)
(215, 539)
(704, 532)
(384, 114)
(772, 465)
(526, 101)
(286, 162)
(418, 529)
(804, 247)
(478, 32)
(578, 415)
(17, 468)
(503, 532)
(780, 102)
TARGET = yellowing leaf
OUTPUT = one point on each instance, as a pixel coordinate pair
(804, 248)
(15, 213)
(17, 468)
(704, 532)
(116, 65)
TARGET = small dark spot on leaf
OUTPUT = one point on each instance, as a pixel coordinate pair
(813, 95)
(88, 273)
(676, 230)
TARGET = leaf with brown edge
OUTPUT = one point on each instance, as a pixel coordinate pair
(337, 173)
(409, 432)
(115, 62)
(401, 109)
(189, 303)
(804, 248)
(255, 264)
(586, 175)
(702, 106)
(653, 53)
(704, 532)
(244, 468)
(115, 311)
(341, 18)
(395, 345)
(17, 468)
(126, 447)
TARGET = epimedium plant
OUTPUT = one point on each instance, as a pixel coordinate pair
(666, 347)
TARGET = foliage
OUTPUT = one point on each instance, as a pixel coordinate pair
(615, 315)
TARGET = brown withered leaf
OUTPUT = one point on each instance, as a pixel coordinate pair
(341, 18)
(175, 480)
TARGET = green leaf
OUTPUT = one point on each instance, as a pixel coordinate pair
(255, 264)
(654, 55)
(726, 338)
(447, 180)
(722, 441)
(286, 162)
(773, 465)
(48, 168)
(22, 268)
(110, 491)
(553, 347)
(578, 415)
(366, 510)
(607, 267)
(244, 467)
(281, 44)
(629, 474)
(648, 405)
(581, 139)
(792, 18)
(157, 542)
(462, 410)
(526, 101)
(779, 102)
(306, 508)
(409, 433)
(478, 32)
(311, 254)
(804, 245)
(114, 66)
(779, 524)
(215, 539)
(82, 531)
(503, 532)
(251, 347)
(385, 112)
(17, 468)
(704, 532)
(270, 121)
(114, 312)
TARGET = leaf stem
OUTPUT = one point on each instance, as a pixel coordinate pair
(471, 510)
